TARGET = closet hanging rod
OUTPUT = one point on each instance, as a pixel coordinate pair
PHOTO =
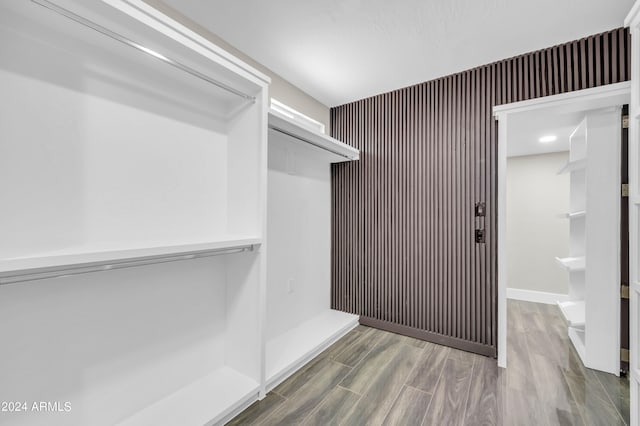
(102, 30)
(277, 129)
(66, 271)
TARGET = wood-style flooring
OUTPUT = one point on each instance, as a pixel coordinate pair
(371, 377)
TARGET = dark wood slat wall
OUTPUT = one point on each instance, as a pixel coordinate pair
(404, 255)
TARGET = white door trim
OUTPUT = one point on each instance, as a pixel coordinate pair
(580, 100)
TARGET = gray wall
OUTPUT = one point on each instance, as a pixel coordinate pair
(536, 195)
(280, 89)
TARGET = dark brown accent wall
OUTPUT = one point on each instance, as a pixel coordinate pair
(404, 255)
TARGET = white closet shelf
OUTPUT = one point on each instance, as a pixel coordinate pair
(573, 312)
(572, 166)
(288, 126)
(297, 346)
(166, 60)
(209, 400)
(571, 263)
(574, 215)
(84, 259)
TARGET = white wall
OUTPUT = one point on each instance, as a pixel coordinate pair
(536, 195)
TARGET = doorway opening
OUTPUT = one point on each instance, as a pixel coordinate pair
(587, 148)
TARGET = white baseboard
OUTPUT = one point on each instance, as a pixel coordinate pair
(536, 296)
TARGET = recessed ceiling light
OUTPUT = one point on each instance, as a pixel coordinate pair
(548, 138)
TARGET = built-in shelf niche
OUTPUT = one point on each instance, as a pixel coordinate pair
(299, 320)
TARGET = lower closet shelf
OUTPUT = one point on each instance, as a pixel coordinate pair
(207, 401)
(573, 312)
(576, 335)
(292, 349)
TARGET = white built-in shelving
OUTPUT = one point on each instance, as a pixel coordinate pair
(299, 320)
(133, 171)
(593, 264)
(207, 401)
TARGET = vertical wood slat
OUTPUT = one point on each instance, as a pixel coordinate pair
(403, 249)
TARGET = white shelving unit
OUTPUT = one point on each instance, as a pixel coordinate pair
(593, 264)
(300, 322)
(133, 170)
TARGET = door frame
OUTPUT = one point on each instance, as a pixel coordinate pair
(579, 100)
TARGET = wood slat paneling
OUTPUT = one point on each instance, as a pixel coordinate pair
(404, 255)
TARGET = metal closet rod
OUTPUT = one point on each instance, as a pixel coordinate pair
(60, 272)
(102, 30)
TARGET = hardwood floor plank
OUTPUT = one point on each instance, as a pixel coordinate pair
(399, 338)
(484, 394)
(450, 396)
(345, 343)
(617, 389)
(522, 408)
(335, 406)
(521, 401)
(373, 364)
(357, 350)
(374, 405)
(308, 396)
(409, 409)
(302, 376)
(553, 392)
(519, 371)
(514, 322)
(259, 410)
(594, 404)
(427, 372)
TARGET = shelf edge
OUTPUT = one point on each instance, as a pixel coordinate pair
(79, 267)
(561, 261)
(283, 124)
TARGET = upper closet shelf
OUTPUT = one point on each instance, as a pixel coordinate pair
(126, 44)
(574, 215)
(81, 260)
(572, 166)
(572, 263)
(283, 124)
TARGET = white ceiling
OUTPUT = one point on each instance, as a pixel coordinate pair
(527, 128)
(339, 51)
